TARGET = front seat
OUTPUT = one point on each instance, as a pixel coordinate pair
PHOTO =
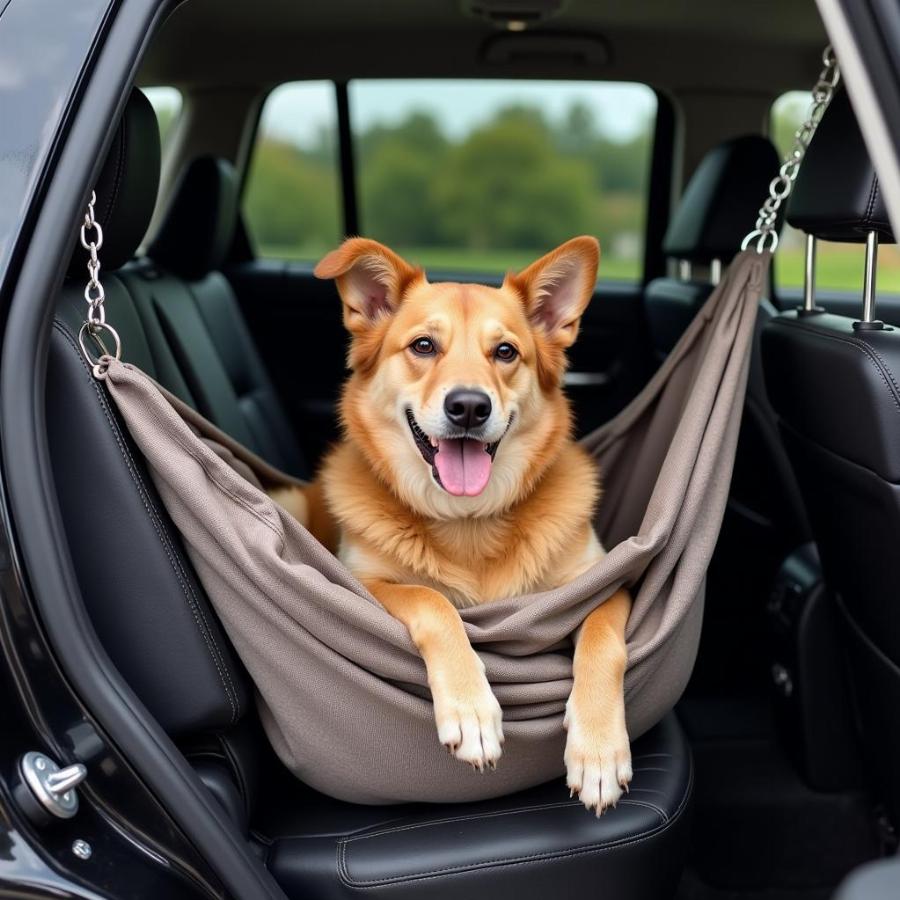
(152, 615)
(716, 211)
(835, 384)
(765, 511)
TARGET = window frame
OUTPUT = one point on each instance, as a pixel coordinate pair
(659, 181)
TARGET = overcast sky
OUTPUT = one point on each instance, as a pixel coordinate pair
(296, 111)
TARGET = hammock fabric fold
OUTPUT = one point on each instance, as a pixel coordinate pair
(341, 689)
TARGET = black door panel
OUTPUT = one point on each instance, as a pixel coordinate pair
(296, 320)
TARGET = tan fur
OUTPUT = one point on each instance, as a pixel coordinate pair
(423, 552)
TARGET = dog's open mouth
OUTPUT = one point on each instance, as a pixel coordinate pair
(461, 466)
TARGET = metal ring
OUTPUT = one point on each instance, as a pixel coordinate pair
(95, 286)
(84, 241)
(94, 331)
(761, 237)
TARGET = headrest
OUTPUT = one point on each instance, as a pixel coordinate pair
(196, 233)
(836, 196)
(722, 200)
(126, 188)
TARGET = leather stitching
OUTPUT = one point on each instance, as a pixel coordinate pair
(449, 871)
(117, 180)
(870, 205)
(472, 817)
(194, 604)
(193, 601)
(887, 376)
(447, 820)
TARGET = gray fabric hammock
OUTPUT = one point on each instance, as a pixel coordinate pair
(342, 691)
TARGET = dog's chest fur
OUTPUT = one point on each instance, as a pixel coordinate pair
(545, 540)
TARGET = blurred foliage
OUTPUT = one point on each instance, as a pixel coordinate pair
(165, 116)
(518, 182)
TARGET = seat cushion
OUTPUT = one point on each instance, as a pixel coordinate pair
(535, 844)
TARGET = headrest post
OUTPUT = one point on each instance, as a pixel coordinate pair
(869, 281)
(809, 275)
(684, 269)
(715, 271)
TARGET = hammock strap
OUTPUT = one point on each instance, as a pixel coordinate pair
(765, 231)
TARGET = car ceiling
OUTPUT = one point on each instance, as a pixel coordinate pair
(683, 46)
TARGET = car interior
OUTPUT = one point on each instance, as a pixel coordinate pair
(773, 777)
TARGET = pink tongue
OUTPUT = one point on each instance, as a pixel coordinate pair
(464, 466)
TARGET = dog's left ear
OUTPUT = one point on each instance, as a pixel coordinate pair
(558, 287)
(370, 278)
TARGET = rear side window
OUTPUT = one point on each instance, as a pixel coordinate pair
(166, 103)
(839, 267)
(487, 175)
(292, 200)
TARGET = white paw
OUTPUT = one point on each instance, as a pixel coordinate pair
(597, 757)
(468, 716)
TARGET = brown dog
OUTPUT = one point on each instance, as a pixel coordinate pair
(457, 482)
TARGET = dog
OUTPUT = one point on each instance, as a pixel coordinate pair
(457, 482)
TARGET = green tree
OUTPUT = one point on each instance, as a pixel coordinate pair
(787, 115)
(293, 199)
(505, 185)
(398, 166)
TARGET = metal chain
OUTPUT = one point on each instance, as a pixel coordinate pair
(764, 232)
(95, 322)
(93, 293)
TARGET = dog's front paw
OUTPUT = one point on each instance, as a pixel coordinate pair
(598, 756)
(468, 716)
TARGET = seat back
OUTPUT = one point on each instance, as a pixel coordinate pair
(143, 598)
(836, 387)
(717, 209)
(181, 291)
(718, 206)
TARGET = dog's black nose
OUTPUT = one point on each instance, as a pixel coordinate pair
(467, 408)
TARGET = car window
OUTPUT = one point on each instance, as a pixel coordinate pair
(292, 199)
(166, 103)
(486, 175)
(839, 267)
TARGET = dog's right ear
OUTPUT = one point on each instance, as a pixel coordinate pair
(370, 278)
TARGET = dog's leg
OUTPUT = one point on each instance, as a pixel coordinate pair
(307, 505)
(468, 716)
(598, 754)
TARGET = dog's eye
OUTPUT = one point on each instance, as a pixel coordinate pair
(423, 347)
(506, 352)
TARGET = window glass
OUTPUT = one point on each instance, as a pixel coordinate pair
(839, 267)
(291, 201)
(487, 175)
(166, 103)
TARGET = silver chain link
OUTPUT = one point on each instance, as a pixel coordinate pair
(94, 294)
(764, 232)
(95, 321)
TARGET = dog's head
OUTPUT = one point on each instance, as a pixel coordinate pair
(455, 394)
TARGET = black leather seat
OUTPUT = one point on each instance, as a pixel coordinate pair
(158, 628)
(193, 317)
(716, 211)
(836, 387)
(537, 843)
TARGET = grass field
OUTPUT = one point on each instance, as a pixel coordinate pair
(839, 268)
